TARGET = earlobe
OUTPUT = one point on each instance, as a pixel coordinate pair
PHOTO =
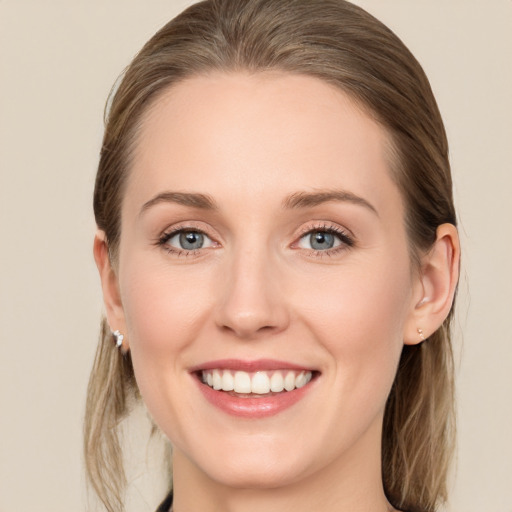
(109, 283)
(438, 279)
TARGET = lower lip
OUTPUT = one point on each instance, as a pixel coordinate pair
(261, 407)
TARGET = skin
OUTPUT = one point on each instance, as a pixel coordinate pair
(258, 290)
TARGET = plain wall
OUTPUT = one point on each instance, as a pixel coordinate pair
(58, 60)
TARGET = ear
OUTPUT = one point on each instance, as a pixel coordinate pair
(435, 286)
(109, 285)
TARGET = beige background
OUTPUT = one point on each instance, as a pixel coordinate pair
(58, 60)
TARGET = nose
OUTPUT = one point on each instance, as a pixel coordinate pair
(252, 302)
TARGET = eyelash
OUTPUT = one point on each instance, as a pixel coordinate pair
(163, 240)
(347, 240)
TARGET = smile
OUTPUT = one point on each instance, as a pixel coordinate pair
(255, 383)
(254, 389)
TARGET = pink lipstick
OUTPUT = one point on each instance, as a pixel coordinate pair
(253, 389)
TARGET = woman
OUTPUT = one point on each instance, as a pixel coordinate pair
(278, 255)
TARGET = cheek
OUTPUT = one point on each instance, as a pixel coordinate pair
(164, 309)
(359, 316)
(159, 300)
(364, 297)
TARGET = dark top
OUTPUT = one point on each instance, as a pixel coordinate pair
(165, 506)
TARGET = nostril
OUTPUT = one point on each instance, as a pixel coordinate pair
(251, 304)
(249, 330)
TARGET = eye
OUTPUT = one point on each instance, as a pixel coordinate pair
(324, 239)
(186, 240)
(319, 241)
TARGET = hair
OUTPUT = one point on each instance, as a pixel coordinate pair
(345, 46)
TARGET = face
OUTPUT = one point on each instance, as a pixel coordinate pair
(264, 276)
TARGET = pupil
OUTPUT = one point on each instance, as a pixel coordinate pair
(322, 240)
(191, 240)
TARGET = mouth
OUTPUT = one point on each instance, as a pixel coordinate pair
(255, 384)
(253, 389)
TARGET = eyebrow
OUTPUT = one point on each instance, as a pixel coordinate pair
(309, 199)
(294, 201)
(193, 200)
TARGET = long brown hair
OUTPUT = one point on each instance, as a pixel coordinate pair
(342, 44)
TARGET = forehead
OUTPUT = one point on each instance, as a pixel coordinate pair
(256, 136)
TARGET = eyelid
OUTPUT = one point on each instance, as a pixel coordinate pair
(175, 229)
(345, 236)
(306, 239)
(174, 234)
(188, 225)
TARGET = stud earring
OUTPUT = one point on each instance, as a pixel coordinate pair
(422, 336)
(118, 337)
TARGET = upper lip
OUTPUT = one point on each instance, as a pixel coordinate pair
(249, 365)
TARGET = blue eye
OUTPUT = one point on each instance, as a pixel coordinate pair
(187, 240)
(323, 240)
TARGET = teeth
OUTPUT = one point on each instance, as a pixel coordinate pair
(301, 380)
(228, 383)
(259, 383)
(217, 380)
(289, 381)
(242, 382)
(277, 382)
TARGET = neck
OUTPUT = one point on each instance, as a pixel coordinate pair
(349, 484)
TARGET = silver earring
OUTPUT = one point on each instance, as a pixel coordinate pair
(119, 338)
(422, 336)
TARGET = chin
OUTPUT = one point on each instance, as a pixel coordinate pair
(259, 466)
(262, 476)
